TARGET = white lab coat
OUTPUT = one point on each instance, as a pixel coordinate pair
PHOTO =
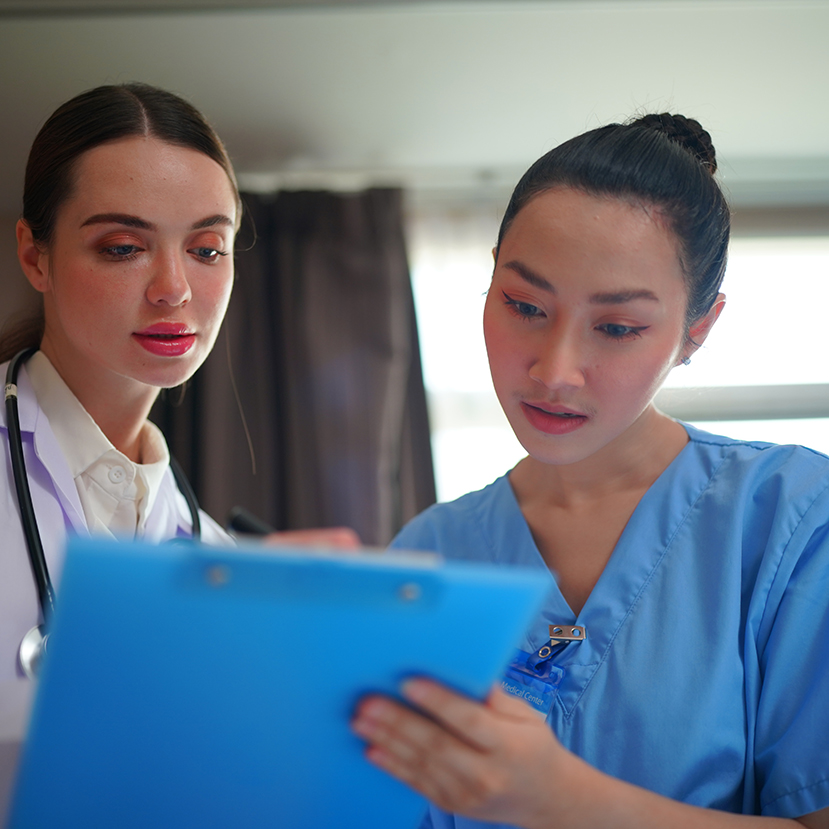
(59, 512)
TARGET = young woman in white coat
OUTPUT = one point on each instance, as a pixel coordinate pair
(130, 211)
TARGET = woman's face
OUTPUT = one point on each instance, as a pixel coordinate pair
(138, 274)
(583, 321)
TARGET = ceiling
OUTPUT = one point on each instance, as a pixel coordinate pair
(443, 97)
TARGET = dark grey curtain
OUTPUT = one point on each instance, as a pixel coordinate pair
(320, 343)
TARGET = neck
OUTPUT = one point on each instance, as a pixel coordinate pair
(631, 462)
(119, 405)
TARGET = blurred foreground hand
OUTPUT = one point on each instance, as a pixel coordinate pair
(342, 537)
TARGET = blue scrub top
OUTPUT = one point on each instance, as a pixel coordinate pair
(705, 674)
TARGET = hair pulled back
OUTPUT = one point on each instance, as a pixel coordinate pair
(93, 118)
(663, 161)
(98, 116)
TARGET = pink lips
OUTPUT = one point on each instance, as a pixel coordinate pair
(166, 339)
(553, 420)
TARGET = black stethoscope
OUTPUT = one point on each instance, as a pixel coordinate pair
(33, 644)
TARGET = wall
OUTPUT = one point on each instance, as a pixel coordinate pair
(16, 295)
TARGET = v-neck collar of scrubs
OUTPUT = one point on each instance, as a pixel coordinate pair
(641, 549)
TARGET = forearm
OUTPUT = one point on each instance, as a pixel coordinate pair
(499, 762)
(594, 799)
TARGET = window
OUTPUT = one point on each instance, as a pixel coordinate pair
(763, 362)
(763, 373)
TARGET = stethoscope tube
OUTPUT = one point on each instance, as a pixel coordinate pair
(189, 495)
(34, 642)
(40, 570)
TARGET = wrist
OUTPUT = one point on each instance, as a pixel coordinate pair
(564, 801)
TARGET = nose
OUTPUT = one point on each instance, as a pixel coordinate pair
(559, 362)
(169, 284)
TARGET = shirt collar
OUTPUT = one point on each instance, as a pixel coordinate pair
(81, 439)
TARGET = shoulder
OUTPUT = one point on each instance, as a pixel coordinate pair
(756, 464)
(770, 501)
(456, 525)
(29, 412)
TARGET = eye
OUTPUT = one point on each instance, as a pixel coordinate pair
(523, 310)
(616, 331)
(119, 252)
(207, 254)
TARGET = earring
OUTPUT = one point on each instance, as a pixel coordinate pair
(686, 361)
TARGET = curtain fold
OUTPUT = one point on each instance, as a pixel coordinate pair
(321, 343)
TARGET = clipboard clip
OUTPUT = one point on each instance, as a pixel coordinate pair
(567, 633)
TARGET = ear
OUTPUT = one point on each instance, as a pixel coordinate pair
(700, 330)
(33, 259)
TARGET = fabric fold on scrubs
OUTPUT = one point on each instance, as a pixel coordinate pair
(705, 671)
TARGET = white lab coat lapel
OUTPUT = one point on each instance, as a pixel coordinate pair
(49, 454)
(54, 493)
(169, 517)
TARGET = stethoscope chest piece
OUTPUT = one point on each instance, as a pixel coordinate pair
(32, 648)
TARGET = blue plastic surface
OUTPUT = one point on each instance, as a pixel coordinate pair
(187, 686)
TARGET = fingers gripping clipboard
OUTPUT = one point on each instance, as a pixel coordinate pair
(188, 686)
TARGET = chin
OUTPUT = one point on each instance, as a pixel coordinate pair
(166, 377)
(554, 450)
(563, 458)
(562, 450)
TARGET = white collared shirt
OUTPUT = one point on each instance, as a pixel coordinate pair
(116, 493)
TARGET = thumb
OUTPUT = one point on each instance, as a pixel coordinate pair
(500, 702)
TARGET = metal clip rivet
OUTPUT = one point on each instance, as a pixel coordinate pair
(410, 592)
(218, 575)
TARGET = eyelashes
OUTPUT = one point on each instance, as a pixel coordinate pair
(207, 254)
(523, 310)
(119, 253)
(129, 252)
(616, 332)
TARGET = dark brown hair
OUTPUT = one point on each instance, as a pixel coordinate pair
(665, 161)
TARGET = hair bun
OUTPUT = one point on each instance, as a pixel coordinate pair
(687, 132)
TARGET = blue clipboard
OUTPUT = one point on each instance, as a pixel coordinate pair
(193, 686)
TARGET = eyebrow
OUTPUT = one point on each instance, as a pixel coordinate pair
(621, 297)
(120, 219)
(604, 298)
(530, 276)
(212, 221)
(142, 224)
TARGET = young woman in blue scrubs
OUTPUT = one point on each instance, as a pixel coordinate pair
(699, 565)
